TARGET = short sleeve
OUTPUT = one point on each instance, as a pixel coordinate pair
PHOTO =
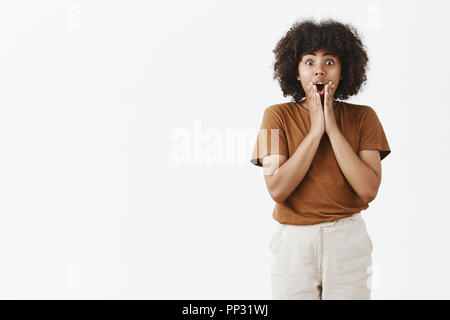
(372, 136)
(271, 138)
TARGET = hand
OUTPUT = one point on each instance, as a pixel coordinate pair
(330, 120)
(316, 114)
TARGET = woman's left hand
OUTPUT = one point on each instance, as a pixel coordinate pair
(330, 120)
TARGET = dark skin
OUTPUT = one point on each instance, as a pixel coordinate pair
(325, 67)
(363, 170)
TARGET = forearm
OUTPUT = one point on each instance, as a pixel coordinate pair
(360, 175)
(287, 177)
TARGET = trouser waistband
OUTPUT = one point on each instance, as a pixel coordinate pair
(330, 223)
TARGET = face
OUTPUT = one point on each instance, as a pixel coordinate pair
(319, 66)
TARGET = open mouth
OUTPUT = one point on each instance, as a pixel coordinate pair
(320, 88)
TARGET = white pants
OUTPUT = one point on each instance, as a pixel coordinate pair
(330, 260)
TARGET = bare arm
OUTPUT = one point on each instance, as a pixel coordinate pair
(283, 176)
(282, 179)
(363, 176)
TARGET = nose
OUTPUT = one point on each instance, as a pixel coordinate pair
(319, 73)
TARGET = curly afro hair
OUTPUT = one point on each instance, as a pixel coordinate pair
(306, 37)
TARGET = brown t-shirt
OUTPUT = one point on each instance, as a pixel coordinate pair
(324, 194)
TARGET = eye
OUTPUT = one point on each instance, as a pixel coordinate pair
(326, 62)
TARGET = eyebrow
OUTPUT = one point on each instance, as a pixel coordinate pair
(326, 54)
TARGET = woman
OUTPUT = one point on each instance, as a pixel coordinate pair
(322, 164)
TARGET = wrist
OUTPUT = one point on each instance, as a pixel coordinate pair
(316, 134)
(332, 130)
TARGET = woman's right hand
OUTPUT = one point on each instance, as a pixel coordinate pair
(316, 114)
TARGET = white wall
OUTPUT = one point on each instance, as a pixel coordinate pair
(95, 95)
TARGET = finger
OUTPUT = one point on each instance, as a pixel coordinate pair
(309, 90)
(318, 101)
(312, 95)
(316, 97)
(328, 94)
